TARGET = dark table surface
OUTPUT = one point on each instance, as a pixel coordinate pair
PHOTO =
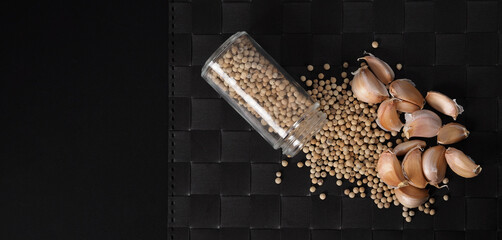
(84, 106)
(222, 172)
(90, 91)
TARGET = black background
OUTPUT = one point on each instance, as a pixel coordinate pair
(83, 99)
(222, 172)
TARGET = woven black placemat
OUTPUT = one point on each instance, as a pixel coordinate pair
(222, 172)
(83, 111)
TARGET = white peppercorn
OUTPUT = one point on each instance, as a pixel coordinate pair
(446, 181)
(278, 180)
(322, 196)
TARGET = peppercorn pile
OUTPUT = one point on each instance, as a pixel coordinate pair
(350, 143)
(364, 122)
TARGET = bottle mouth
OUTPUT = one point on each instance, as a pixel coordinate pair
(302, 131)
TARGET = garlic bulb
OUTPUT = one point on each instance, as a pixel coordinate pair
(444, 104)
(389, 170)
(452, 133)
(405, 89)
(461, 164)
(411, 197)
(434, 165)
(412, 168)
(404, 147)
(422, 123)
(367, 88)
(381, 69)
(406, 107)
(388, 118)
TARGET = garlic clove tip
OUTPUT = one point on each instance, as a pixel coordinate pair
(478, 170)
(403, 184)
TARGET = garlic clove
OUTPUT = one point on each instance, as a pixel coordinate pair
(381, 69)
(461, 164)
(404, 147)
(412, 168)
(405, 89)
(434, 165)
(406, 107)
(411, 197)
(452, 133)
(367, 88)
(422, 123)
(388, 118)
(389, 170)
(444, 104)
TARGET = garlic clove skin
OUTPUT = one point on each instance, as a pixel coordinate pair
(367, 88)
(388, 118)
(381, 69)
(405, 89)
(404, 147)
(452, 133)
(389, 170)
(422, 123)
(412, 168)
(411, 197)
(461, 164)
(406, 107)
(434, 165)
(444, 104)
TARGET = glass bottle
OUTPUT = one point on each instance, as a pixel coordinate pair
(262, 92)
